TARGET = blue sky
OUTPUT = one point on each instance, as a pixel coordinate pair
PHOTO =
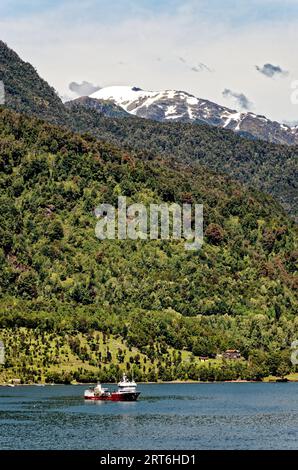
(234, 12)
(160, 44)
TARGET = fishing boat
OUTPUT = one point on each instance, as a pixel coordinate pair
(126, 392)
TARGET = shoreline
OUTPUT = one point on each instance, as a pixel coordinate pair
(177, 382)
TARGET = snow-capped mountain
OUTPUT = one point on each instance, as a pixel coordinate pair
(173, 105)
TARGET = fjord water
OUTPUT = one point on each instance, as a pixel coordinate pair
(167, 416)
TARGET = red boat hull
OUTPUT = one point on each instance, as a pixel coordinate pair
(115, 396)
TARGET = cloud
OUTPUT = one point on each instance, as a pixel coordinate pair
(201, 68)
(83, 89)
(76, 41)
(240, 98)
(271, 71)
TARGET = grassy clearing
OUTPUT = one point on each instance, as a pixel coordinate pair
(33, 355)
(38, 356)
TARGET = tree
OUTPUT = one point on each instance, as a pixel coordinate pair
(214, 234)
(55, 231)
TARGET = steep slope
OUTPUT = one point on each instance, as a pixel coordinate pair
(270, 168)
(103, 107)
(25, 91)
(50, 182)
(173, 105)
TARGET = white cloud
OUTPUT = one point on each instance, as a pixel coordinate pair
(83, 89)
(65, 47)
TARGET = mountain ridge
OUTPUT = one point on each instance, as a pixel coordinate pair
(269, 167)
(176, 105)
(51, 181)
(26, 91)
(62, 288)
(103, 107)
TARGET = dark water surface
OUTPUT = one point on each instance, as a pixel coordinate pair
(167, 416)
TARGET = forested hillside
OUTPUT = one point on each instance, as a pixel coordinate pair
(76, 308)
(51, 181)
(268, 167)
(56, 276)
(25, 91)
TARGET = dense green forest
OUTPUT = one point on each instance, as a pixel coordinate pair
(76, 308)
(238, 291)
(51, 182)
(268, 167)
(87, 348)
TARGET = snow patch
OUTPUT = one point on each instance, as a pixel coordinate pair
(175, 116)
(170, 94)
(122, 95)
(192, 100)
(232, 117)
(170, 110)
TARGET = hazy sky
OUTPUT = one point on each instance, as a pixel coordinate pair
(238, 53)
